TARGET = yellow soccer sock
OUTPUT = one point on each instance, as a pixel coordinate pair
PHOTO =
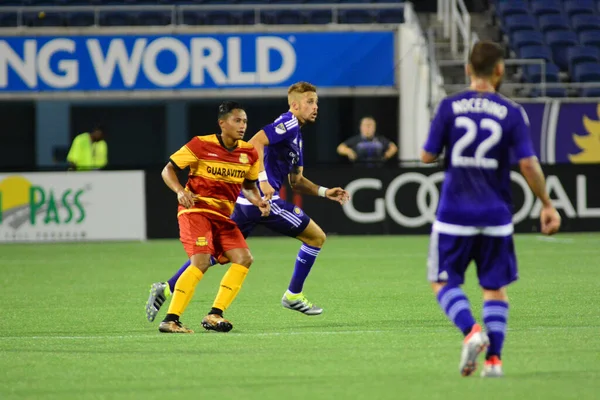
(230, 286)
(184, 290)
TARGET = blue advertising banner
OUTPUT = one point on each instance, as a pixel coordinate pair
(151, 62)
(565, 132)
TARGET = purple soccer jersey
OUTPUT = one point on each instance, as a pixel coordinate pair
(284, 152)
(282, 155)
(478, 131)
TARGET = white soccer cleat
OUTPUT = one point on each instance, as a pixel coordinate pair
(492, 368)
(298, 302)
(475, 342)
(159, 293)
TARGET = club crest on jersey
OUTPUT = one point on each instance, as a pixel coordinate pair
(280, 129)
(244, 158)
(201, 241)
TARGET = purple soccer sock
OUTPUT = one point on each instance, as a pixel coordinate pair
(304, 262)
(456, 306)
(495, 318)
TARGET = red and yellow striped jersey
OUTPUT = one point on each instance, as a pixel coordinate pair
(216, 173)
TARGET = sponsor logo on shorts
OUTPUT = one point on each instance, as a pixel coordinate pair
(201, 241)
(244, 158)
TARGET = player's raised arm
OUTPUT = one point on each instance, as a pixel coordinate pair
(301, 184)
(180, 160)
(532, 171)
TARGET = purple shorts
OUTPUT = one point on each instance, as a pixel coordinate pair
(285, 218)
(450, 256)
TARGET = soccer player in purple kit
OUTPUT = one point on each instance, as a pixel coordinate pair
(478, 129)
(279, 145)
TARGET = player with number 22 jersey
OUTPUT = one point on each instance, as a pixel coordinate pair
(480, 131)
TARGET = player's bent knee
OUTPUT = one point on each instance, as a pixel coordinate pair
(201, 261)
(317, 239)
(495, 294)
(244, 259)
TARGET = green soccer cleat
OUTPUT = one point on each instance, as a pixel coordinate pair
(159, 293)
(299, 302)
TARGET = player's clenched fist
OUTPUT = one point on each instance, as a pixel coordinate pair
(265, 208)
(185, 198)
(337, 194)
(550, 220)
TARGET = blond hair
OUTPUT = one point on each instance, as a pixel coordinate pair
(299, 88)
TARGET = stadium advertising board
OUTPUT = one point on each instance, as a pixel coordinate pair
(565, 132)
(404, 201)
(72, 206)
(199, 61)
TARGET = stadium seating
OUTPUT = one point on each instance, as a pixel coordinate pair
(505, 10)
(590, 38)
(559, 42)
(565, 33)
(516, 23)
(587, 72)
(195, 17)
(79, 19)
(575, 7)
(527, 38)
(540, 8)
(533, 73)
(549, 92)
(582, 54)
(590, 92)
(535, 52)
(554, 22)
(585, 22)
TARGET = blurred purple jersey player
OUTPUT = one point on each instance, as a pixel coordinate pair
(479, 129)
(279, 145)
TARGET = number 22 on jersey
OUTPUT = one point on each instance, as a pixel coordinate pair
(479, 160)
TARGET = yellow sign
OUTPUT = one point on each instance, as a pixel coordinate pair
(589, 144)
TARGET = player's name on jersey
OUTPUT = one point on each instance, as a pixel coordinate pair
(227, 172)
(479, 105)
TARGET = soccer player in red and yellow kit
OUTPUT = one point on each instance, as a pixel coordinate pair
(220, 165)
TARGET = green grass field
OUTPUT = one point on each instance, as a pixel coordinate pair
(74, 325)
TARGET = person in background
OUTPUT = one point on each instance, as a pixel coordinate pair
(88, 151)
(368, 148)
